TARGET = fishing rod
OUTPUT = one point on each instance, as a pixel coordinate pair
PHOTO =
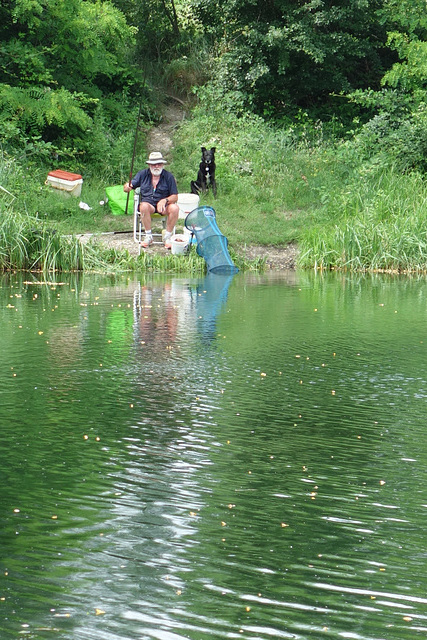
(133, 154)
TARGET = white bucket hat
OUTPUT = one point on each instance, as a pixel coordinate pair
(156, 158)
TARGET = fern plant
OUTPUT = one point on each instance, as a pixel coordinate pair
(35, 109)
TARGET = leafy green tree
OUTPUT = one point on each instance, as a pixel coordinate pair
(71, 43)
(159, 26)
(398, 131)
(58, 60)
(276, 54)
(409, 40)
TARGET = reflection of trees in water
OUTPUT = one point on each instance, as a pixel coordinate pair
(65, 344)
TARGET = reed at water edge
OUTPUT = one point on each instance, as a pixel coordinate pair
(380, 224)
(26, 244)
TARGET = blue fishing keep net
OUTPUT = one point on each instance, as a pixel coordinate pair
(212, 245)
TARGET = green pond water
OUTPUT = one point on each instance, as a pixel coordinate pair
(213, 458)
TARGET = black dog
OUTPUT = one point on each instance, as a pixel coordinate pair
(206, 173)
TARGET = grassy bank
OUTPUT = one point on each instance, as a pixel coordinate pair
(345, 209)
(300, 184)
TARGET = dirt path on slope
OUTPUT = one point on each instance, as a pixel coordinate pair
(160, 137)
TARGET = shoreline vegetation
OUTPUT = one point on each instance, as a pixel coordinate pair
(287, 199)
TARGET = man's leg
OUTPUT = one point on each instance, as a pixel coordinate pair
(171, 212)
(145, 210)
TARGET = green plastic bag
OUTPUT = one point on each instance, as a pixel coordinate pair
(117, 200)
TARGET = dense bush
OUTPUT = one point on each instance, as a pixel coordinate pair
(67, 82)
(278, 55)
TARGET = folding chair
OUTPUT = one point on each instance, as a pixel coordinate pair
(138, 230)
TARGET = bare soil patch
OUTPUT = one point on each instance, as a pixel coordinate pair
(275, 257)
(160, 137)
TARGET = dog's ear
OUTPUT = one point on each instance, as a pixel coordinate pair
(203, 149)
(213, 149)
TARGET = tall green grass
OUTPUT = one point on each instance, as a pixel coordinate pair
(377, 223)
(25, 244)
(277, 186)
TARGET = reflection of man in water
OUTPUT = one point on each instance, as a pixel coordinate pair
(158, 321)
(167, 312)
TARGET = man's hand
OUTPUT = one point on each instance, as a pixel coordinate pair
(162, 204)
(126, 187)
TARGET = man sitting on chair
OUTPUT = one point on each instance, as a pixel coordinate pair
(158, 194)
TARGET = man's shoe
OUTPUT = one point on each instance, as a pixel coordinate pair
(148, 239)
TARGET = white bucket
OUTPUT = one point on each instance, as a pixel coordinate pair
(186, 203)
(190, 237)
(187, 233)
(179, 243)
